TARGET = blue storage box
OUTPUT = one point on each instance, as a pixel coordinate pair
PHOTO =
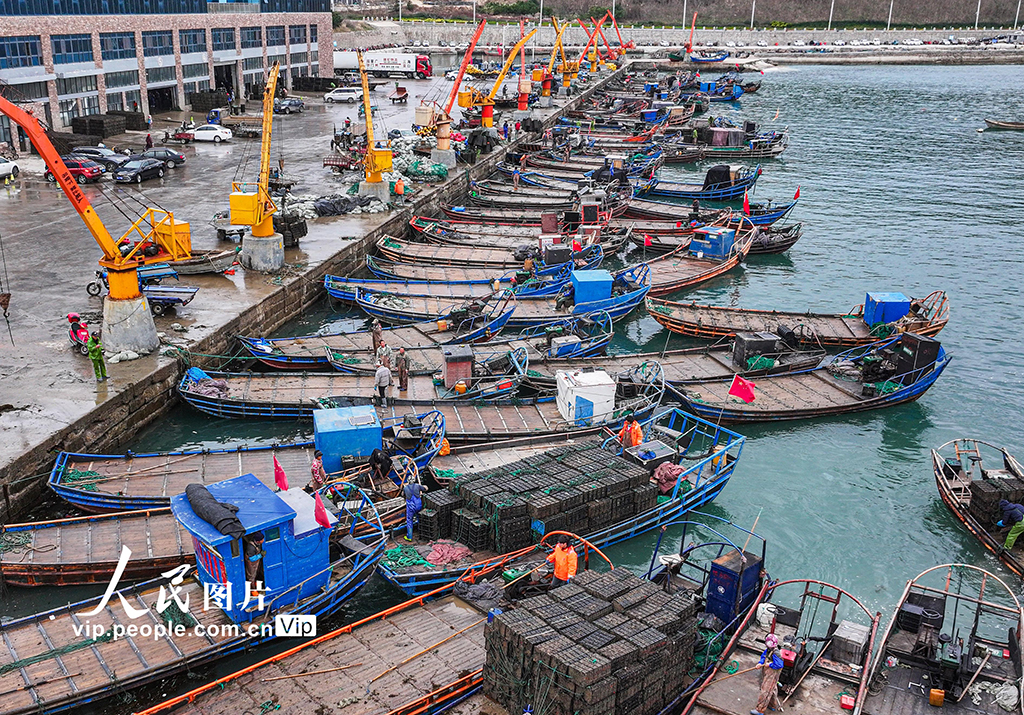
(713, 241)
(707, 86)
(885, 307)
(649, 115)
(346, 432)
(732, 584)
(650, 87)
(590, 286)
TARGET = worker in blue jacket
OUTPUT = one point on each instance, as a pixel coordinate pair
(413, 494)
(1013, 516)
(771, 667)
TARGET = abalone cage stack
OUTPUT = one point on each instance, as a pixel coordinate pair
(605, 643)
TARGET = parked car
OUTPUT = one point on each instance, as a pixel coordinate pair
(211, 133)
(137, 169)
(288, 105)
(107, 158)
(169, 157)
(762, 43)
(350, 95)
(8, 167)
(84, 170)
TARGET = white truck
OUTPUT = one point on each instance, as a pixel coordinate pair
(383, 64)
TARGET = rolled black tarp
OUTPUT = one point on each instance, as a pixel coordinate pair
(220, 515)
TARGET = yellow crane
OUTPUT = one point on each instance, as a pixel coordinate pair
(546, 78)
(378, 159)
(251, 203)
(473, 97)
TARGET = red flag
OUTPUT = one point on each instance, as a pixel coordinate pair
(647, 240)
(746, 203)
(319, 513)
(743, 389)
(797, 194)
(280, 478)
(679, 224)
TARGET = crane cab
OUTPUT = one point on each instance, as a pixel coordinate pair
(295, 563)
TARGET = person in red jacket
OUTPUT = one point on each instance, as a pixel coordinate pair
(564, 559)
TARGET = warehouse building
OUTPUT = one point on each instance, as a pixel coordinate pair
(80, 57)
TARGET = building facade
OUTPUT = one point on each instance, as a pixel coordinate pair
(81, 57)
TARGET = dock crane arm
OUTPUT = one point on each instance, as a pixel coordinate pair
(558, 44)
(599, 31)
(377, 160)
(251, 204)
(592, 37)
(462, 68)
(508, 63)
(623, 45)
(693, 25)
(269, 92)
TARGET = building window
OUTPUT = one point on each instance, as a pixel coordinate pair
(160, 74)
(129, 78)
(200, 69)
(27, 91)
(132, 99)
(252, 37)
(252, 63)
(117, 45)
(21, 51)
(300, 71)
(71, 48)
(68, 111)
(314, 57)
(297, 34)
(280, 59)
(76, 85)
(223, 38)
(90, 105)
(299, 58)
(115, 102)
(192, 41)
(159, 42)
(275, 36)
(312, 33)
(316, 70)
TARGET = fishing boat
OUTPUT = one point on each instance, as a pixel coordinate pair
(206, 261)
(721, 183)
(825, 636)
(83, 652)
(710, 252)
(885, 314)
(397, 251)
(997, 124)
(500, 500)
(521, 283)
(521, 238)
(766, 145)
(776, 239)
(761, 214)
(662, 237)
(708, 57)
(884, 374)
(973, 476)
(954, 641)
(588, 292)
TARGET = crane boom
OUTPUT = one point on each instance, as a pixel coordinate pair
(251, 204)
(597, 25)
(269, 92)
(462, 68)
(592, 36)
(508, 63)
(377, 160)
(693, 25)
(558, 44)
(366, 101)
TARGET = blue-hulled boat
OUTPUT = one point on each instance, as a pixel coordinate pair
(82, 653)
(587, 259)
(722, 183)
(761, 214)
(707, 452)
(589, 291)
(868, 377)
(704, 57)
(101, 483)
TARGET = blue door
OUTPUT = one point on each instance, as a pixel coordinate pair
(584, 411)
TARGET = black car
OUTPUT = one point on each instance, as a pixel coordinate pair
(138, 169)
(169, 157)
(107, 158)
(288, 105)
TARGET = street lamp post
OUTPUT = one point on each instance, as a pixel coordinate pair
(752, 6)
(977, 15)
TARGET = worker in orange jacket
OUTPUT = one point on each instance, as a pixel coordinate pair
(564, 559)
(631, 434)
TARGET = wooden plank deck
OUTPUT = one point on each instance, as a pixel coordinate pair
(294, 388)
(424, 272)
(437, 290)
(782, 393)
(378, 646)
(474, 423)
(680, 366)
(443, 255)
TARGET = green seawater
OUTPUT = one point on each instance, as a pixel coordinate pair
(899, 192)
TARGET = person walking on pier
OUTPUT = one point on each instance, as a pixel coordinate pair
(382, 381)
(1013, 517)
(95, 348)
(402, 365)
(378, 335)
(384, 353)
(319, 474)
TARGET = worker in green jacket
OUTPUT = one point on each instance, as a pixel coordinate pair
(96, 355)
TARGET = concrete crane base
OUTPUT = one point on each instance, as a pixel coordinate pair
(263, 253)
(128, 325)
(443, 156)
(380, 190)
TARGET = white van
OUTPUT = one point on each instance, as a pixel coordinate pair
(350, 95)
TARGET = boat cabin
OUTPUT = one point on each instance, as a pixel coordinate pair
(295, 555)
(712, 242)
(346, 432)
(885, 307)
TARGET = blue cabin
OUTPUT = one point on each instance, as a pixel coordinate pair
(295, 564)
(591, 286)
(346, 431)
(885, 307)
(713, 241)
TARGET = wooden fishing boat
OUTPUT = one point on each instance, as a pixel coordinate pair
(666, 237)
(830, 633)
(708, 57)
(761, 214)
(972, 477)
(623, 291)
(202, 261)
(117, 482)
(955, 638)
(83, 653)
(520, 236)
(772, 239)
(722, 183)
(85, 549)
(496, 187)
(425, 225)
(517, 202)
(522, 283)
(762, 146)
(686, 266)
(492, 258)
(927, 316)
(997, 124)
(707, 452)
(883, 374)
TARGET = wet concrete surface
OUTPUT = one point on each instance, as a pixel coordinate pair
(50, 256)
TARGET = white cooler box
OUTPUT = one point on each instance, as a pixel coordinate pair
(585, 397)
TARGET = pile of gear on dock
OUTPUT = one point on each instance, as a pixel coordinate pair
(604, 643)
(579, 488)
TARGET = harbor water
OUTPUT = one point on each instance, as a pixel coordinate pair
(898, 192)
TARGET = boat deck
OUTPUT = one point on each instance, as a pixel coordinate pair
(679, 269)
(808, 392)
(86, 549)
(421, 272)
(312, 346)
(442, 255)
(483, 423)
(450, 291)
(395, 662)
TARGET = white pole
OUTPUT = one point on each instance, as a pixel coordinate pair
(977, 14)
(830, 9)
(613, 10)
(889, 21)
(684, 14)
(752, 6)
(399, 10)
(1016, 18)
